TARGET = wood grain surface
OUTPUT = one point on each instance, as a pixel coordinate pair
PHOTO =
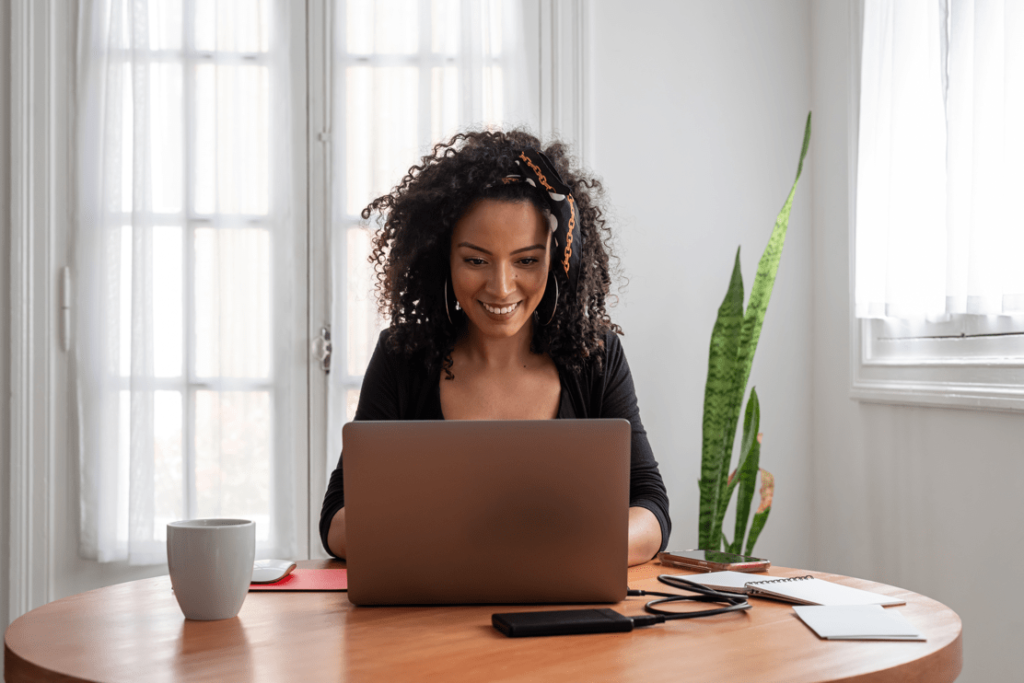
(135, 632)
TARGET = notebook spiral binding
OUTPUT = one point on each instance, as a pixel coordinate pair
(792, 578)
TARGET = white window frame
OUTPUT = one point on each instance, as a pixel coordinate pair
(965, 361)
(41, 59)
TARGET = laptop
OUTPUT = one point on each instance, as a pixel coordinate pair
(486, 512)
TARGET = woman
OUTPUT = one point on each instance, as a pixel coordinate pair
(493, 270)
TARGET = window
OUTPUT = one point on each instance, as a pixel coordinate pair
(939, 296)
(185, 267)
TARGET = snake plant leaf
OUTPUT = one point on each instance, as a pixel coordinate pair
(764, 281)
(761, 516)
(718, 392)
(747, 476)
(751, 421)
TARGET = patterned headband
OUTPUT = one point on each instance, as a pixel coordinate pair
(538, 171)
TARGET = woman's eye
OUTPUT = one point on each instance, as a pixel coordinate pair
(475, 261)
(528, 261)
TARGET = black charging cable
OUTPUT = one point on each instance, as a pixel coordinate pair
(733, 602)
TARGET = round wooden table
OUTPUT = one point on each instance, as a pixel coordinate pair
(135, 632)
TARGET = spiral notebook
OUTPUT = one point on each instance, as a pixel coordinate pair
(805, 590)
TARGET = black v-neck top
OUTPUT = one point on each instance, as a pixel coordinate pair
(399, 388)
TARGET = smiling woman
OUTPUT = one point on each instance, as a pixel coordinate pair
(492, 268)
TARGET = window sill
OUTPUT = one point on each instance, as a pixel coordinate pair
(973, 383)
(939, 394)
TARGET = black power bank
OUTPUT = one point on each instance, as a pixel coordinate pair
(561, 622)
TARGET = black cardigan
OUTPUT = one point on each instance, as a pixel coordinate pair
(398, 388)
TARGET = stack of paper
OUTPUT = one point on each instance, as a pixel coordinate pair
(857, 622)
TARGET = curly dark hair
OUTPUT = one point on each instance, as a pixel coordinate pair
(412, 245)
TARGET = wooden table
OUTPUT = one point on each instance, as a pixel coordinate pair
(135, 632)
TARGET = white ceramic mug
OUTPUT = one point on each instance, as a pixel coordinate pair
(210, 561)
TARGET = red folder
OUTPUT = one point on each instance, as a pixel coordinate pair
(308, 580)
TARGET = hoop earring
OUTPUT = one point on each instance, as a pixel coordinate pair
(446, 310)
(555, 307)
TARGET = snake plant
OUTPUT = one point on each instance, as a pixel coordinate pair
(733, 342)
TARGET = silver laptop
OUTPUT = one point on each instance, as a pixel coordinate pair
(482, 512)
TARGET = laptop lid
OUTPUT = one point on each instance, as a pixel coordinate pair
(486, 512)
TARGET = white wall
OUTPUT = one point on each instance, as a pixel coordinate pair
(698, 114)
(923, 498)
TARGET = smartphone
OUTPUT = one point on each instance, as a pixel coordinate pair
(713, 561)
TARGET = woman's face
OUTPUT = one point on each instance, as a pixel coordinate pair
(499, 265)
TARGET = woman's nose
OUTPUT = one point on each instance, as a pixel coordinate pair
(502, 281)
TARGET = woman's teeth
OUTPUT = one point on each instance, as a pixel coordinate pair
(502, 310)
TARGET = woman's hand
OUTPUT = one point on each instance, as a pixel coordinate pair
(336, 534)
(644, 535)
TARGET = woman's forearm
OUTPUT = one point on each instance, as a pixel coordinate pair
(336, 534)
(644, 535)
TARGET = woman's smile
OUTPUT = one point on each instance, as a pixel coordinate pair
(500, 310)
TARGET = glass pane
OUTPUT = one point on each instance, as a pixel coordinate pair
(359, 26)
(358, 145)
(232, 139)
(166, 137)
(124, 425)
(232, 25)
(168, 499)
(122, 298)
(233, 453)
(205, 164)
(351, 403)
(445, 26)
(168, 331)
(494, 101)
(444, 106)
(382, 26)
(164, 298)
(232, 302)
(493, 10)
(381, 130)
(360, 302)
(165, 25)
(126, 126)
(205, 25)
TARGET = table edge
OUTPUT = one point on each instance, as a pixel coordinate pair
(947, 658)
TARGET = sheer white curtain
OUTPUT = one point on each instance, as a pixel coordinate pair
(407, 74)
(181, 255)
(940, 228)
